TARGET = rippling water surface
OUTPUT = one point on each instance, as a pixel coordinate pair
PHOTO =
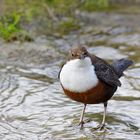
(33, 106)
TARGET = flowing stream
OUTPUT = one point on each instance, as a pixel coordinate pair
(33, 105)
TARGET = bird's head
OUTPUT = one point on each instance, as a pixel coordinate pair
(78, 53)
(80, 56)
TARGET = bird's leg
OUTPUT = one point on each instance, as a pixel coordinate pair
(101, 126)
(104, 116)
(82, 116)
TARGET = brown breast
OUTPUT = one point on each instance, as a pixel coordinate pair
(99, 94)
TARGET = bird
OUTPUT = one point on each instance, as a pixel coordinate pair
(89, 79)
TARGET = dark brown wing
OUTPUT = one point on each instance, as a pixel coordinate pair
(107, 75)
(105, 72)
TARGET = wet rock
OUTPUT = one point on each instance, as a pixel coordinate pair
(119, 30)
(62, 45)
(28, 54)
(107, 52)
(51, 72)
(130, 39)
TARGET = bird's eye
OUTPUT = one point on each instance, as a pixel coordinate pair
(73, 54)
(85, 53)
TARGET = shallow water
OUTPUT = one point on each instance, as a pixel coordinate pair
(33, 106)
(32, 103)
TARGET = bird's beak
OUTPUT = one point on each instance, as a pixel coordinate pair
(82, 56)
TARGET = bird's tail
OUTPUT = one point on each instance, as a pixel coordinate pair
(120, 65)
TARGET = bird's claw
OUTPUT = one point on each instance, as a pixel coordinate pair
(81, 124)
(100, 127)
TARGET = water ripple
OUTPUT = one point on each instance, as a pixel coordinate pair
(34, 107)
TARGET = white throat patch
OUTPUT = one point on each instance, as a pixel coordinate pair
(78, 75)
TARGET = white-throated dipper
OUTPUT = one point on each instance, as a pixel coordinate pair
(89, 79)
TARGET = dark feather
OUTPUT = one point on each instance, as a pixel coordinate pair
(120, 65)
(106, 74)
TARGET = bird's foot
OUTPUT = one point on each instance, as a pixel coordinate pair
(81, 124)
(100, 127)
